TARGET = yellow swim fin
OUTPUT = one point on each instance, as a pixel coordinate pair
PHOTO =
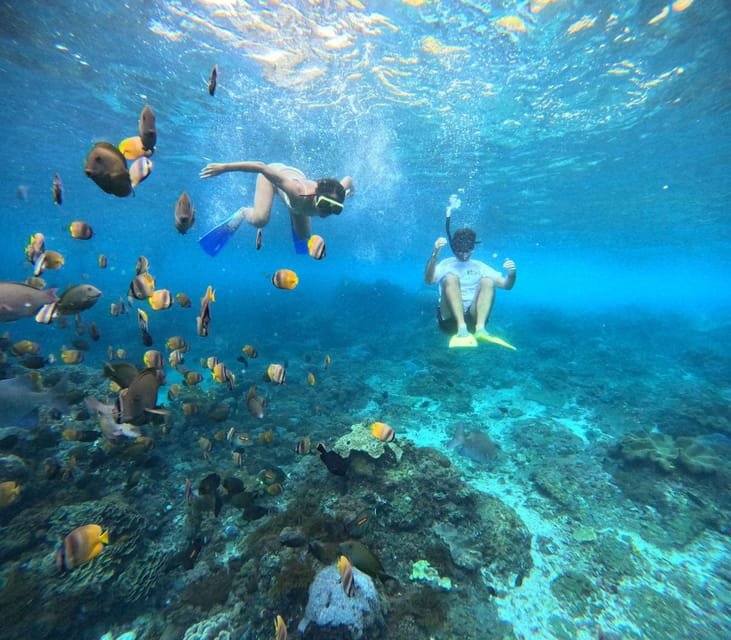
(483, 336)
(462, 341)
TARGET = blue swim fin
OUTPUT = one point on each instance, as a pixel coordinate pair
(216, 239)
(300, 245)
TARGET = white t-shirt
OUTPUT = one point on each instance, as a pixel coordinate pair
(469, 272)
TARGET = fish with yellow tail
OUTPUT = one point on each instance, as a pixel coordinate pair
(204, 319)
(143, 324)
(222, 375)
(276, 373)
(285, 279)
(383, 432)
(316, 247)
(81, 545)
(345, 569)
(35, 247)
(280, 628)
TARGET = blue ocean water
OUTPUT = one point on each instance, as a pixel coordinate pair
(587, 141)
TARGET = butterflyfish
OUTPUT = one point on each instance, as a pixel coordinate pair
(80, 230)
(383, 432)
(81, 545)
(285, 279)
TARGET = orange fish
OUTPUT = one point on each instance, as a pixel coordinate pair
(81, 545)
(71, 356)
(316, 247)
(345, 569)
(222, 375)
(80, 230)
(285, 279)
(131, 148)
(383, 432)
(160, 299)
(276, 373)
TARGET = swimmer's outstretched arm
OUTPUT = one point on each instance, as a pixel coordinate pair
(275, 175)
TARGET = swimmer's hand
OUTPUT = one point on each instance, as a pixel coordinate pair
(509, 266)
(213, 169)
(438, 244)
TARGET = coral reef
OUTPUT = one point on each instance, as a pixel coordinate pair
(668, 453)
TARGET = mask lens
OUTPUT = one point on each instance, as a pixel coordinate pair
(328, 205)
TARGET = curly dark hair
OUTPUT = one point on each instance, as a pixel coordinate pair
(463, 240)
(331, 188)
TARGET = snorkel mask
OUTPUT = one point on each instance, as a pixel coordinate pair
(328, 205)
(329, 196)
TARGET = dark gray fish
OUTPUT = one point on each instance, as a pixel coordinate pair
(133, 402)
(121, 372)
(475, 445)
(57, 189)
(20, 400)
(106, 166)
(147, 129)
(77, 298)
(18, 300)
(184, 213)
(213, 80)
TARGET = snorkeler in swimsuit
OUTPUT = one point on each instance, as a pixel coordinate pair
(304, 198)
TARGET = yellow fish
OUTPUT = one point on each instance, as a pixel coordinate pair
(311, 379)
(160, 299)
(285, 279)
(222, 375)
(383, 432)
(71, 356)
(81, 545)
(280, 628)
(276, 373)
(316, 247)
(131, 148)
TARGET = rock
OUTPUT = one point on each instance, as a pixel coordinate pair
(330, 610)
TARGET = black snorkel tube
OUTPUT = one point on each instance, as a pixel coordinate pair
(447, 227)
